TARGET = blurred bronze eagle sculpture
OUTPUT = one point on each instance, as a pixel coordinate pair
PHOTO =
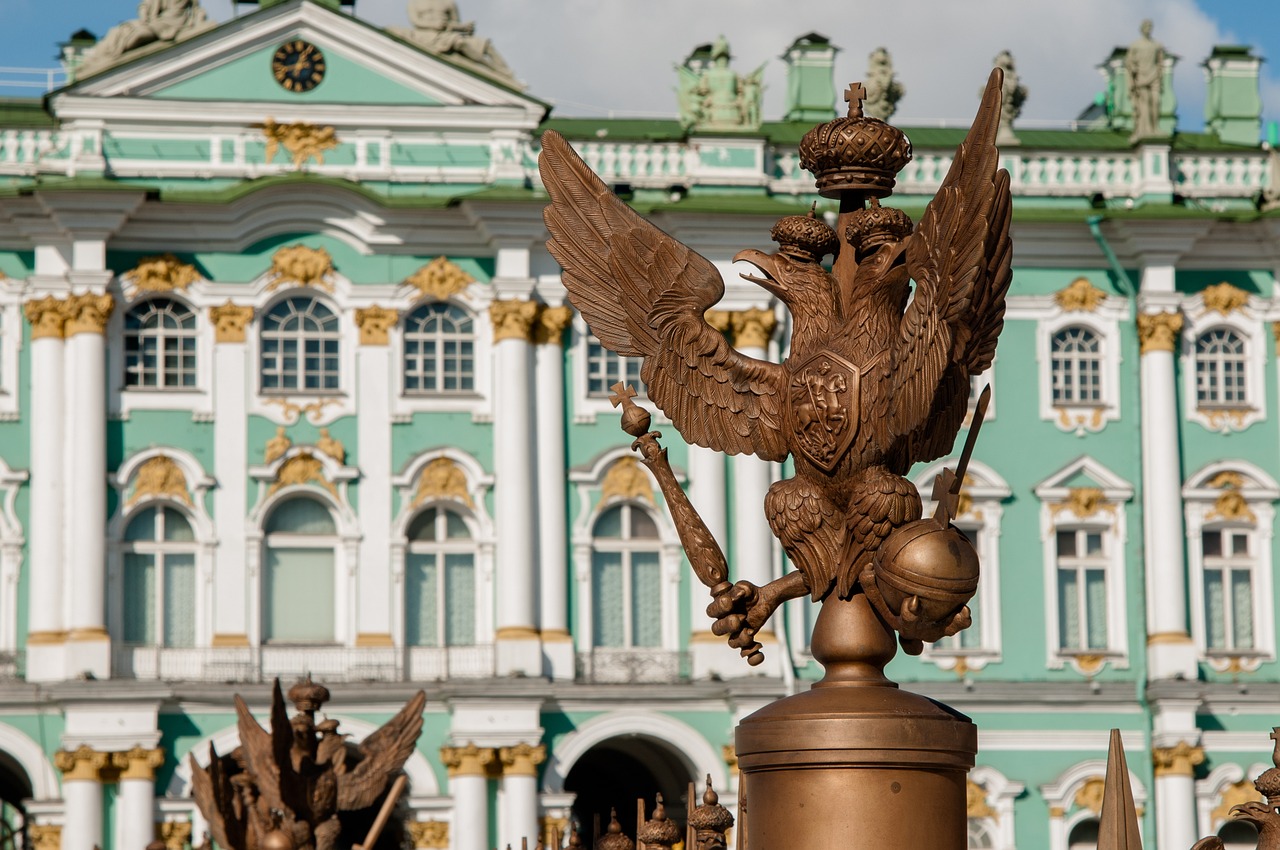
(877, 378)
(292, 785)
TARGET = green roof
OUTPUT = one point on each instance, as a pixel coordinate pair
(24, 112)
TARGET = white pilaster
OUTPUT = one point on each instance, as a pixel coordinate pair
(1175, 751)
(518, 648)
(231, 383)
(88, 644)
(1170, 652)
(470, 789)
(553, 553)
(709, 654)
(374, 370)
(46, 621)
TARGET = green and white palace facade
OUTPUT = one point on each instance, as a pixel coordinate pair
(289, 383)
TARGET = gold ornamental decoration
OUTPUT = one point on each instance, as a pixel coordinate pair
(1084, 502)
(469, 760)
(440, 279)
(442, 478)
(551, 325)
(302, 469)
(276, 446)
(293, 411)
(375, 324)
(82, 763)
(976, 805)
(429, 834)
(1275, 333)
(1179, 760)
(1090, 794)
(160, 477)
(163, 273)
(752, 328)
(302, 140)
(301, 265)
(1231, 505)
(730, 756)
(229, 321)
(1079, 296)
(175, 834)
(1158, 331)
(89, 313)
(331, 446)
(1235, 794)
(45, 836)
(553, 831)
(1224, 298)
(47, 316)
(626, 480)
(513, 319)
(138, 763)
(522, 759)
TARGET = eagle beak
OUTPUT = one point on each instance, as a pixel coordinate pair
(766, 263)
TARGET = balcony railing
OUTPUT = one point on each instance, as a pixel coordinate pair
(325, 663)
(13, 665)
(610, 665)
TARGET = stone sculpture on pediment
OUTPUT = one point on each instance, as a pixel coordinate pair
(1144, 63)
(438, 28)
(158, 22)
(883, 88)
(713, 96)
(1013, 95)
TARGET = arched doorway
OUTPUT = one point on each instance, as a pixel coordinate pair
(15, 787)
(617, 772)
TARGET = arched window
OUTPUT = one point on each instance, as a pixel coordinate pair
(159, 579)
(160, 345)
(1238, 835)
(1076, 367)
(970, 638)
(604, 369)
(1221, 368)
(300, 347)
(1082, 589)
(440, 581)
(626, 579)
(439, 350)
(298, 573)
(980, 834)
(1084, 835)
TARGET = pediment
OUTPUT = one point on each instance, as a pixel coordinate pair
(1081, 474)
(225, 74)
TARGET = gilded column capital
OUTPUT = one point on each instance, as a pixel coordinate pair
(375, 324)
(551, 324)
(229, 321)
(513, 319)
(47, 315)
(429, 834)
(88, 313)
(45, 836)
(718, 319)
(753, 328)
(522, 759)
(1179, 760)
(138, 763)
(1158, 331)
(469, 760)
(82, 763)
(176, 835)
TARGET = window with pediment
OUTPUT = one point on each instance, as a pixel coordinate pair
(160, 345)
(1078, 355)
(1076, 367)
(1223, 360)
(439, 350)
(1221, 366)
(300, 342)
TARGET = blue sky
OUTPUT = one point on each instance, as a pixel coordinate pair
(941, 48)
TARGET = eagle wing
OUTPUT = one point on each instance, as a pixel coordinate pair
(960, 258)
(266, 752)
(216, 798)
(384, 754)
(644, 294)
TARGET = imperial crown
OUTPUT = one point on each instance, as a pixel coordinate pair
(855, 153)
(807, 234)
(1268, 783)
(307, 695)
(873, 227)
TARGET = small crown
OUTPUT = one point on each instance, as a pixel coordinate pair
(807, 234)
(307, 695)
(711, 815)
(873, 227)
(1268, 783)
(660, 830)
(855, 153)
(614, 839)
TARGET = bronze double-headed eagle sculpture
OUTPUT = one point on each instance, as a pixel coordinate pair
(882, 348)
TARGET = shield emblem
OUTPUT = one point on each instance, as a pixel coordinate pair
(823, 408)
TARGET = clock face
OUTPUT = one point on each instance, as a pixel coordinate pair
(298, 65)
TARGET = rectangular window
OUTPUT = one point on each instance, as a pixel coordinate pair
(604, 369)
(1082, 590)
(460, 604)
(1228, 590)
(646, 599)
(607, 604)
(297, 597)
(140, 599)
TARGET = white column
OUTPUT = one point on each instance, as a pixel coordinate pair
(81, 797)
(88, 644)
(518, 648)
(520, 793)
(46, 622)
(709, 653)
(231, 383)
(553, 529)
(1170, 652)
(1175, 795)
(470, 789)
(374, 371)
(753, 540)
(135, 801)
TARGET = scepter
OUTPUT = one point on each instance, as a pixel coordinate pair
(705, 555)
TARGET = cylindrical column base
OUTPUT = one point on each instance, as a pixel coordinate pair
(853, 762)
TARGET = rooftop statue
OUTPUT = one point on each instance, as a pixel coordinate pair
(883, 88)
(295, 785)
(1012, 97)
(875, 382)
(438, 28)
(1144, 63)
(158, 21)
(714, 97)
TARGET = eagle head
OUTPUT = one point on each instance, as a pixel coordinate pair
(1257, 813)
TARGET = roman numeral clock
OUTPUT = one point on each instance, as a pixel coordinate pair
(298, 65)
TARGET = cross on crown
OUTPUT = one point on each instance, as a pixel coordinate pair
(854, 95)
